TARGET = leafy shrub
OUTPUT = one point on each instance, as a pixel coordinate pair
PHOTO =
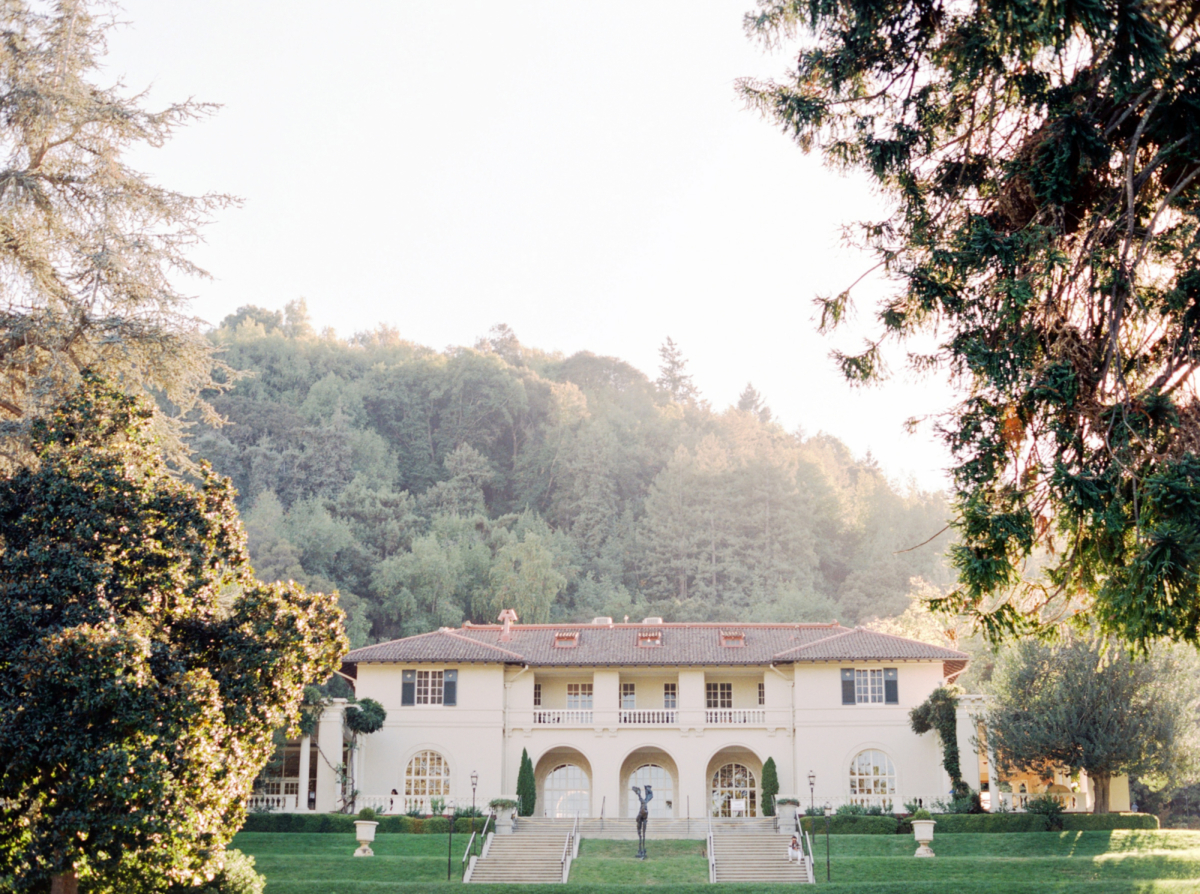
(1047, 807)
(921, 814)
(460, 812)
(1094, 822)
(850, 824)
(238, 877)
(299, 822)
(436, 825)
(991, 822)
(437, 806)
(414, 812)
(850, 810)
(500, 805)
(369, 814)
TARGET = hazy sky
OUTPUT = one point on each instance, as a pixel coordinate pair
(583, 173)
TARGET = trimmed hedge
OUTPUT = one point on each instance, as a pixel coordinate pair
(1102, 822)
(852, 825)
(342, 823)
(949, 823)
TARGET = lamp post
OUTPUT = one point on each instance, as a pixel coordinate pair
(828, 870)
(812, 796)
(474, 782)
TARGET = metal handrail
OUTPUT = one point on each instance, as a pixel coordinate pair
(481, 834)
(567, 847)
(603, 800)
(712, 857)
(812, 858)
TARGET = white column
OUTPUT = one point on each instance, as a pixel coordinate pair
(969, 708)
(305, 770)
(329, 740)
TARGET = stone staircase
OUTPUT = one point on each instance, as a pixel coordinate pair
(526, 857)
(755, 856)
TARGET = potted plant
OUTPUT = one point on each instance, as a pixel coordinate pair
(787, 807)
(364, 832)
(922, 824)
(504, 808)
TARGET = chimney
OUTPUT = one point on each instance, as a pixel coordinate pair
(507, 617)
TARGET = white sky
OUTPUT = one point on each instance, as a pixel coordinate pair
(583, 173)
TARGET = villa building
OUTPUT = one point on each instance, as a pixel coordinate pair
(695, 710)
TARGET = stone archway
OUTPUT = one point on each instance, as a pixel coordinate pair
(564, 783)
(653, 765)
(734, 780)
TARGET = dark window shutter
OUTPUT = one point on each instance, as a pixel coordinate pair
(847, 685)
(891, 686)
(450, 688)
(408, 688)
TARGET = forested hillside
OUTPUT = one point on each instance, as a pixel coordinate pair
(431, 487)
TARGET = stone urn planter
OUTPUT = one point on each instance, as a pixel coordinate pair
(923, 832)
(364, 832)
(504, 822)
(789, 823)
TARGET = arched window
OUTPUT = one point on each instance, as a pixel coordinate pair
(427, 776)
(734, 783)
(659, 780)
(872, 779)
(567, 791)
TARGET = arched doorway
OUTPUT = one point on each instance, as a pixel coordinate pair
(734, 791)
(567, 791)
(872, 779)
(661, 783)
(426, 777)
(564, 782)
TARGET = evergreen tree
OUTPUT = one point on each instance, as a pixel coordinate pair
(1044, 165)
(770, 786)
(673, 377)
(526, 786)
(89, 243)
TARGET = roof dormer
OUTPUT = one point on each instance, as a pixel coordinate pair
(566, 639)
(649, 638)
(733, 639)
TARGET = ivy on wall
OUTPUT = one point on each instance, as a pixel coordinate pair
(940, 712)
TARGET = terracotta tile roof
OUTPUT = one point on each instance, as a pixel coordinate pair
(682, 644)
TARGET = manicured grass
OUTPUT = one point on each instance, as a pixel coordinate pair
(1117, 862)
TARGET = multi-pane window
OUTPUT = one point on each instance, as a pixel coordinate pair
(429, 687)
(762, 693)
(628, 697)
(718, 695)
(868, 686)
(537, 695)
(670, 696)
(427, 774)
(872, 779)
(579, 696)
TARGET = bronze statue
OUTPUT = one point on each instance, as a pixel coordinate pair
(642, 815)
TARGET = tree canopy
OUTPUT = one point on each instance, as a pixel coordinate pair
(88, 246)
(1041, 162)
(143, 669)
(1081, 705)
(431, 487)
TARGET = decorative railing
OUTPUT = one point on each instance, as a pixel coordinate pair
(648, 716)
(1072, 802)
(568, 717)
(275, 803)
(742, 716)
(397, 804)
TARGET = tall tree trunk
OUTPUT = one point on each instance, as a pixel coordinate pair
(1100, 786)
(64, 883)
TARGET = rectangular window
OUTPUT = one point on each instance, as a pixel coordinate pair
(762, 694)
(670, 696)
(429, 687)
(628, 697)
(891, 686)
(718, 695)
(537, 695)
(408, 688)
(579, 696)
(450, 688)
(868, 687)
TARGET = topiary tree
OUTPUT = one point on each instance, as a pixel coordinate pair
(361, 719)
(526, 786)
(770, 787)
(143, 669)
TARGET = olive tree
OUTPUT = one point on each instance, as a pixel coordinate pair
(1077, 705)
(143, 669)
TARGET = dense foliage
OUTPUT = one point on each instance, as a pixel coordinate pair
(87, 244)
(769, 786)
(1077, 705)
(143, 669)
(1041, 162)
(433, 487)
(940, 712)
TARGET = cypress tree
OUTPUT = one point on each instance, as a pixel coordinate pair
(770, 787)
(526, 786)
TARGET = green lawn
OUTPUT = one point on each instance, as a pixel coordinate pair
(1120, 862)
